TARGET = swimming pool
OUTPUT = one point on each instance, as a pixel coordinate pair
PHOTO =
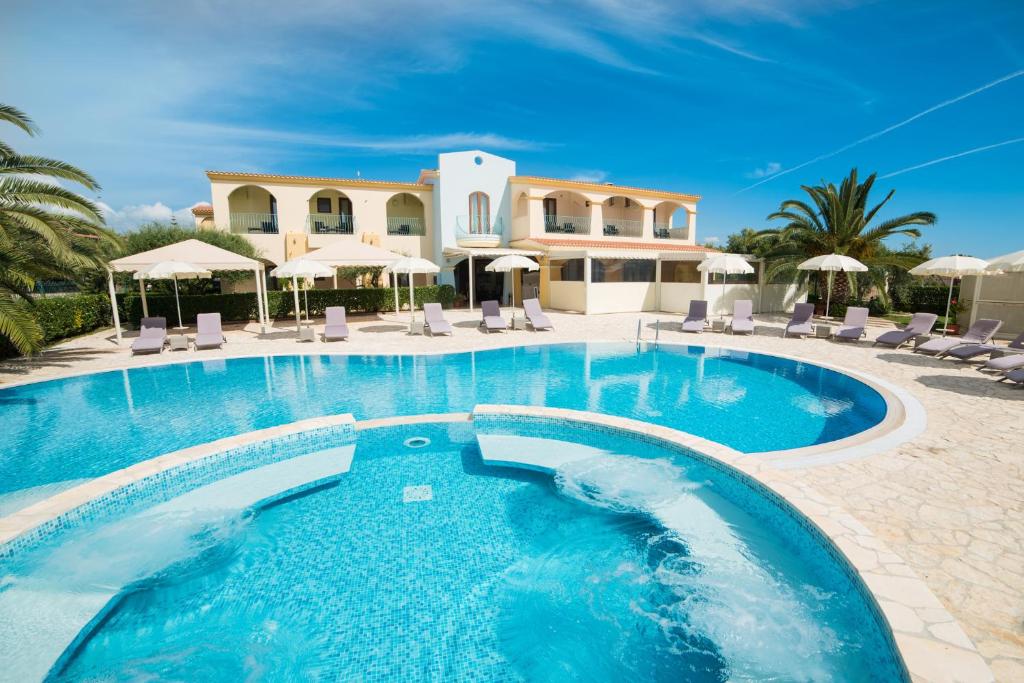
(61, 432)
(424, 562)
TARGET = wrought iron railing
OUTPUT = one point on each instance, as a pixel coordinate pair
(567, 225)
(398, 225)
(330, 224)
(254, 223)
(620, 227)
(664, 231)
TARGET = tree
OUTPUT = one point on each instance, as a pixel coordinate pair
(838, 221)
(46, 231)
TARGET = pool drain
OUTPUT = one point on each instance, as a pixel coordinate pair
(416, 442)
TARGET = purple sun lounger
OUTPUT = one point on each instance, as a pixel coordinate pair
(152, 335)
(800, 324)
(742, 317)
(697, 317)
(979, 333)
(492, 316)
(920, 323)
(1014, 376)
(1005, 362)
(335, 327)
(853, 325)
(209, 334)
(535, 316)
(974, 350)
(433, 317)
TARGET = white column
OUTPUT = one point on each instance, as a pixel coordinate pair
(974, 296)
(586, 284)
(596, 218)
(266, 298)
(334, 275)
(142, 293)
(657, 285)
(647, 224)
(470, 265)
(760, 286)
(113, 305)
(259, 300)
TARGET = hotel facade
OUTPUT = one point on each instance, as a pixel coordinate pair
(602, 248)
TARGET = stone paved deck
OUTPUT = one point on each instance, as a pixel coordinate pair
(950, 502)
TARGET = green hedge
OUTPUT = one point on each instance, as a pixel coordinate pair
(65, 316)
(243, 306)
(923, 298)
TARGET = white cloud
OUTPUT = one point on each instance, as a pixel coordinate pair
(591, 176)
(771, 168)
(134, 215)
(712, 239)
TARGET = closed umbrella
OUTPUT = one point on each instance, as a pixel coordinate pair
(832, 263)
(952, 267)
(172, 270)
(307, 270)
(411, 265)
(505, 264)
(726, 264)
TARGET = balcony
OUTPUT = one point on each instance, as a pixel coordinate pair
(330, 224)
(664, 231)
(567, 225)
(254, 223)
(398, 225)
(620, 227)
(473, 232)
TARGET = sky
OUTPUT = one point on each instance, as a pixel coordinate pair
(739, 101)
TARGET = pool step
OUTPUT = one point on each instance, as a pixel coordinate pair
(544, 455)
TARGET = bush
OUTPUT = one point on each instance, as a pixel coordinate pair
(65, 316)
(243, 306)
(922, 298)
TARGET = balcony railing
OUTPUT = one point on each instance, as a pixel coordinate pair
(254, 223)
(470, 228)
(330, 224)
(567, 225)
(398, 225)
(618, 227)
(663, 231)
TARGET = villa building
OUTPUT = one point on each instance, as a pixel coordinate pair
(602, 247)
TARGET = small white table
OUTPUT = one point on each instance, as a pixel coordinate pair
(177, 342)
(416, 327)
(822, 331)
(518, 322)
(718, 325)
(306, 334)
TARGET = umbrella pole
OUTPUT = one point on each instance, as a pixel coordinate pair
(828, 299)
(394, 286)
(295, 292)
(177, 302)
(305, 301)
(949, 300)
(412, 302)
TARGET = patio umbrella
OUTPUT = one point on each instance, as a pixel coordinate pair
(409, 266)
(172, 270)
(726, 264)
(952, 267)
(505, 264)
(1010, 263)
(307, 270)
(832, 263)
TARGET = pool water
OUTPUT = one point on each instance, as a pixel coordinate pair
(61, 432)
(429, 564)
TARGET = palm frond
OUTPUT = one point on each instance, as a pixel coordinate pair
(51, 168)
(18, 118)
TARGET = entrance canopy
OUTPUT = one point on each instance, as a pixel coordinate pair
(195, 252)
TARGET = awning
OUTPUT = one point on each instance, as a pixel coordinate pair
(193, 251)
(609, 249)
(345, 253)
(489, 252)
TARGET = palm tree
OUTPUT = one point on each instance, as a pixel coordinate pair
(838, 221)
(46, 231)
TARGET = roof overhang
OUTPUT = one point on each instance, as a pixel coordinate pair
(489, 252)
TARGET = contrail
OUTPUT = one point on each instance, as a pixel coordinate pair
(951, 156)
(885, 131)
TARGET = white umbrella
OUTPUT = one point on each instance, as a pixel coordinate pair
(307, 270)
(1010, 263)
(726, 264)
(951, 267)
(408, 266)
(505, 264)
(832, 263)
(172, 270)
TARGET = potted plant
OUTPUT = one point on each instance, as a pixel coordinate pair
(956, 307)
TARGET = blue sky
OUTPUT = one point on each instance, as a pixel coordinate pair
(710, 97)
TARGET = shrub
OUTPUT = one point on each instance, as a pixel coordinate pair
(925, 298)
(65, 316)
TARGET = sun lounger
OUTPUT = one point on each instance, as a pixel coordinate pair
(492, 316)
(152, 336)
(853, 324)
(697, 317)
(335, 327)
(209, 334)
(1014, 376)
(742, 317)
(800, 324)
(920, 323)
(535, 316)
(974, 350)
(434, 320)
(1004, 362)
(979, 333)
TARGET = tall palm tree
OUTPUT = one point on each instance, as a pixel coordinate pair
(46, 231)
(838, 221)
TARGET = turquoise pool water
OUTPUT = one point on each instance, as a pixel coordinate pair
(634, 564)
(60, 432)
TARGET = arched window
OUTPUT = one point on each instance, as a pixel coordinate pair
(479, 213)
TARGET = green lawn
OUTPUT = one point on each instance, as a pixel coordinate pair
(904, 318)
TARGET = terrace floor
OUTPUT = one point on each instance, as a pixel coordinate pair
(950, 502)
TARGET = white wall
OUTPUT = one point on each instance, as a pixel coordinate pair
(567, 295)
(460, 176)
(622, 297)
(676, 296)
